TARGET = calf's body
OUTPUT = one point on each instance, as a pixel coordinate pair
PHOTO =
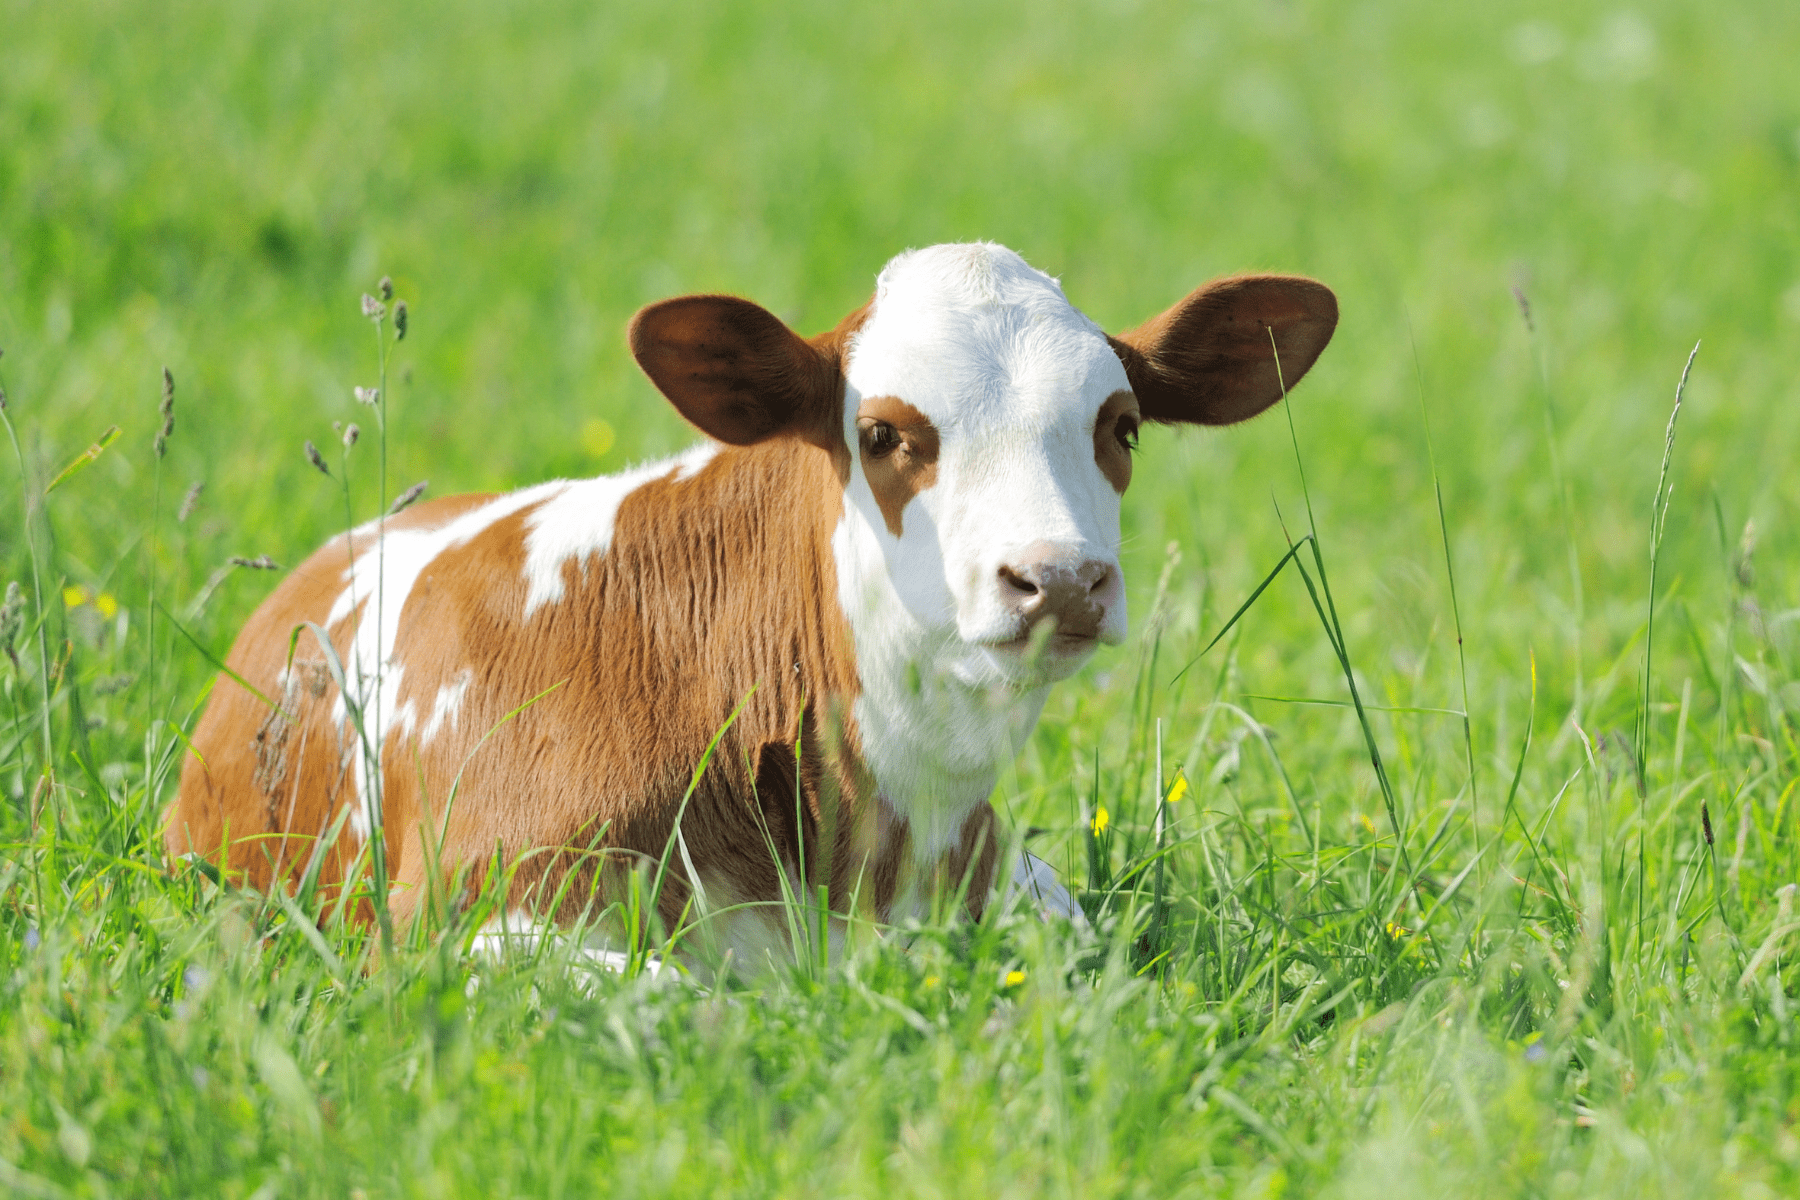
(856, 595)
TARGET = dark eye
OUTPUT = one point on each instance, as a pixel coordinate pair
(880, 439)
(1127, 431)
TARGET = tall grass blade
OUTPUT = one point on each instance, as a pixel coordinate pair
(1293, 552)
(1659, 516)
(1462, 659)
(84, 460)
(1334, 629)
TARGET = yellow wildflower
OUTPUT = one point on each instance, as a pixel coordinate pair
(1098, 824)
(597, 437)
(1014, 978)
(1396, 930)
(107, 606)
(75, 597)
(1179, 789)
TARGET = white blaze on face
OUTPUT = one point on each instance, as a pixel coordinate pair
(981, 364)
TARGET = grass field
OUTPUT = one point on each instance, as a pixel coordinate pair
(1543, 952)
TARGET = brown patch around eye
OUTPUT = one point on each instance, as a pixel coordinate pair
(898, 448)
(1115, 431)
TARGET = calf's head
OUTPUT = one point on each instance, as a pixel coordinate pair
(984, 427)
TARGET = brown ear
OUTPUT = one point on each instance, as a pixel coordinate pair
(733, 369)
(1208, 359)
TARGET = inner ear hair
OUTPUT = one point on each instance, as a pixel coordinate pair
(734, 370)
(1210, 359)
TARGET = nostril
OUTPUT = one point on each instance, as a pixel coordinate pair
(1101, 580)
(1017, 582)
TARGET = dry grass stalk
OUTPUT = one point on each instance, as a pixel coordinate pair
(189, 501)
(405, 499)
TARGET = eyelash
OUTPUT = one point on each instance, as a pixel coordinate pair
(881, 440)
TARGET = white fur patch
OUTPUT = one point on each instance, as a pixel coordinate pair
(518, 932)
(1037, 879)
(578, 523)
(380, 581)
(447, 705)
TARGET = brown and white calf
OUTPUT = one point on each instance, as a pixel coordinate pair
(860, 556)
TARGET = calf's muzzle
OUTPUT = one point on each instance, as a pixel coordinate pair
(1042, 583)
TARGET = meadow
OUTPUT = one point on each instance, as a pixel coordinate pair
(1480, 879)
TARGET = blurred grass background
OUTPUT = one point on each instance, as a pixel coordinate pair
(213, 186)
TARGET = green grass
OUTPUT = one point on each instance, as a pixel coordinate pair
(1538, 979)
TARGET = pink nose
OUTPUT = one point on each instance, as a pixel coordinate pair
(1074, 592)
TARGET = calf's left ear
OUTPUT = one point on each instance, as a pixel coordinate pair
(733, 369)
(1210, 359)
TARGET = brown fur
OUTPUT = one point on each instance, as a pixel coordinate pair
(1110, 453)
(716, 588)
(908, 469)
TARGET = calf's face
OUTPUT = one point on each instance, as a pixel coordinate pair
(992, 425)
(984, 428)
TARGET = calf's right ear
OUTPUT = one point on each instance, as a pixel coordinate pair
(734, 370)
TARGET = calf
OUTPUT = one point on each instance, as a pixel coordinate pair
(857, 594)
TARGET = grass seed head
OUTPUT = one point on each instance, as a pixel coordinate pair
(261, 562)
(351, 433)
(189, 501)
(369, 396)
(373, 309)
(316, 459)
(1745, 566)
(1706, 823)
(12, 618)
(400, 321)
(168, 414)
(386, 287)
(405, 499)
(1524, 308)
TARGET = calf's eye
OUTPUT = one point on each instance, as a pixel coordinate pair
(1127, 431)
(880, 439)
